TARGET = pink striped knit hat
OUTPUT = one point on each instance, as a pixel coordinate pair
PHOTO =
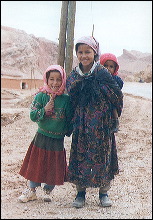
(91, 42)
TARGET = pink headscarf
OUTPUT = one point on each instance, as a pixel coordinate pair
(109, 56)
(91, 42)
(46, 88)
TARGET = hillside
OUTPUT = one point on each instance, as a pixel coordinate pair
(21, 53)
(135, 65)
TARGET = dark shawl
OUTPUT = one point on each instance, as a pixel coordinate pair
(93, 157)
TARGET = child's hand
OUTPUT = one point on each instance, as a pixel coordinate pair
(50, 105)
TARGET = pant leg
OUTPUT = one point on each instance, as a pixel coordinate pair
(80, 189)
(34, 184)
(104, 189)
(48, 187)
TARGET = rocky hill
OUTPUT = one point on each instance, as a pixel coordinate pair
(22, 54)
(135, 66)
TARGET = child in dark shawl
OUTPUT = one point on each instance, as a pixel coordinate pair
(93, 158)
(110, 61)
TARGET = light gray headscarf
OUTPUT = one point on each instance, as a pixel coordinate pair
(91, 42)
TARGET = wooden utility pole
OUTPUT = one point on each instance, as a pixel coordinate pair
(70, 36)
(62, 35)
(66, 36)
(93, 30)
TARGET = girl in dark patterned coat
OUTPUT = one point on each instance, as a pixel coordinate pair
(93, 157)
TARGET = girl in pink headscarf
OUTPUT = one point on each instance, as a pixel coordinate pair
(45, 160)
(109, 61)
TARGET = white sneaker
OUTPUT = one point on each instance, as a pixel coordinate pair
(105, 201)
(27, 195)
(46, 196)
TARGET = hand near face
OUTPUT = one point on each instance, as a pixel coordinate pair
(50, 105)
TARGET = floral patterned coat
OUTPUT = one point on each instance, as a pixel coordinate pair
(93, 157)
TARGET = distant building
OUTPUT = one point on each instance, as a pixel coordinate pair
(11, 83)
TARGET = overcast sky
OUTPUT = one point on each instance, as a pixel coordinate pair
(118, 25)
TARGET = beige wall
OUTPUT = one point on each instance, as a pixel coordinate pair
(21, 83)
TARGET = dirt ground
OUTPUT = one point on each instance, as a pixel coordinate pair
(131, 191)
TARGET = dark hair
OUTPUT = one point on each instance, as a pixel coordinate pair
(78, 44)
(48, 74)
(115, 64)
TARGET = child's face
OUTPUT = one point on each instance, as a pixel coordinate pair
(110, 65)
(55, 81)
(85, 55)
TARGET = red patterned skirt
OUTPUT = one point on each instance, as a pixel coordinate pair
(45, 161)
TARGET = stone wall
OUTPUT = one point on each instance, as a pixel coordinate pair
(21, 83)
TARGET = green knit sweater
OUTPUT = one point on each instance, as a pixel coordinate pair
(59, 123)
